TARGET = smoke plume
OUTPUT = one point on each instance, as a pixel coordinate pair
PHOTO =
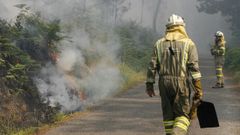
(87, 64)
(87, 67)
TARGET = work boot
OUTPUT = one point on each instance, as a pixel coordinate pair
(218, 85)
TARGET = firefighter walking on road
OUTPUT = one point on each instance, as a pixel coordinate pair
(218, 51)
(175, 58)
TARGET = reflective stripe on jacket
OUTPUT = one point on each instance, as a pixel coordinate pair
(166, 64)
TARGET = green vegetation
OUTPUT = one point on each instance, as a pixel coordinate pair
(24, 47)
(137, 44)
(27, 131)
(15, 65)
(229, 9)
(29, 44)
(233, 62)
(37, 37)
(130, 77)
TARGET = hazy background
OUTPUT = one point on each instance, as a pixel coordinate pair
(200, 26)
(89, 25)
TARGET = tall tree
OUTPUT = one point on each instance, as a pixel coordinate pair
(142, 8)
(84, 5)
(115, 11)
(155, 15)
(111, 10)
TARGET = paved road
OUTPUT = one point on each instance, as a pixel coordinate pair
(133, 113)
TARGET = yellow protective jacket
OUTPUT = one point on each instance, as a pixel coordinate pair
(185, 55)
(218, 48)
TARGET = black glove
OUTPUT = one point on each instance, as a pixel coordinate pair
(150, 89)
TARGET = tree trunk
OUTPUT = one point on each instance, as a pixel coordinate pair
(115, 11)
(156, 16)
(141, 21)
(84, 6)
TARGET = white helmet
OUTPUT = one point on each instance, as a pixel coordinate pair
(175, 20)
(219, 34)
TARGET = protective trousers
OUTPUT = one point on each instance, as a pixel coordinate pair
(174, 92)
(219, 62)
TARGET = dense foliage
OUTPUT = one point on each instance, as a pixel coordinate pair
(15, 65)
(37, 37)
(233, 62)
(24, 47)
(135, 53)
(31, 42)
(137, 45)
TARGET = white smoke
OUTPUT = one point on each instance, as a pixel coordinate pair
(7, 9)
(200, 26)
(88, 60)
(55, 89)
(87, 67)
(98, 78)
